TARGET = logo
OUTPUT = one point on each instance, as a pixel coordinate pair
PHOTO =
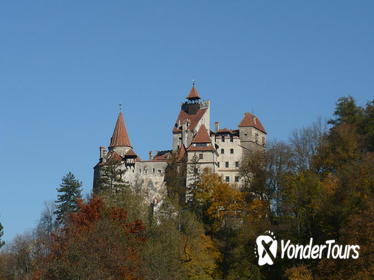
(267, 246)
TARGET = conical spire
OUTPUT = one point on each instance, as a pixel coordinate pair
(120, 138)
(201, 141)
(193, 95)
(202, 135)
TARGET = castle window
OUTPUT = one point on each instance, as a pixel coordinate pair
(227, 164)
(237, 179)
(222, 151)
(231, 151)
(201, 156)
(223, 138)
(200, 144)
(236, 163)
(227, 179)
(218, 163)
(256, 138)
(231, 138)
(153, 170)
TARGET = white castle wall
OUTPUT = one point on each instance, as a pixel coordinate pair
(230, 173)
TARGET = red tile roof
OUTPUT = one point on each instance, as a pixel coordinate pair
(131, 153)
(200, 148)
(162, 155)
(120, 138)
(113, 157)
(193, 119)
(202, 136)
(193, 95)
(250, 120)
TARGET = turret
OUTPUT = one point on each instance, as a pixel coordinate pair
(193, 114)
(120, 142)
(251, 132)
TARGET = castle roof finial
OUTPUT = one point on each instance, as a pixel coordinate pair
(193, 95)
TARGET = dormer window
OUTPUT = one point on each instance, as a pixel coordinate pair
(201, 144)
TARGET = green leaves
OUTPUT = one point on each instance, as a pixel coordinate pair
(69, 193)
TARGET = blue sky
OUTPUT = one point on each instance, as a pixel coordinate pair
(66, 65)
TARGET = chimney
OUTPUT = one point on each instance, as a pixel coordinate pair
(217, 126)
(102, 152)
(150, 155)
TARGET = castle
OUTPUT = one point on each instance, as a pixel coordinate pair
(194, 142)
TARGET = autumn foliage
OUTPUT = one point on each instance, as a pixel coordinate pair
(319, 184)
(99, 242)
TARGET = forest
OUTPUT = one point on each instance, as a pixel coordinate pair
(319, 184)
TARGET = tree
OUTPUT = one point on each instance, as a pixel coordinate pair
(1, 234)
(111, 176)
(175, 179)
(263, 172)
(220, 203)
(305, 143)
(99, 242)
(233, 223)
(299, 273)
(70, 192)
(17, 260)
(347, 112)
(177, 247)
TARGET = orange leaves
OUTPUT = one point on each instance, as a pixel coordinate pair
(99, 242)
(88, 213)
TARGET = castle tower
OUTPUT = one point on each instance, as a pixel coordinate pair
(201, 154)
(193, 114)
(120, 141)
(251, 132)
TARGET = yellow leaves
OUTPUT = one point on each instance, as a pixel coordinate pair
(329, 185)
(200, 257)
(220, 199)
(257, 209)
(299, 273)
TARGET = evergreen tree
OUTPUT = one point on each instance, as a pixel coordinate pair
(1, 234)
(70, 191)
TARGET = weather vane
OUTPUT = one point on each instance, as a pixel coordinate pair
(120, 107)
(193, 83)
